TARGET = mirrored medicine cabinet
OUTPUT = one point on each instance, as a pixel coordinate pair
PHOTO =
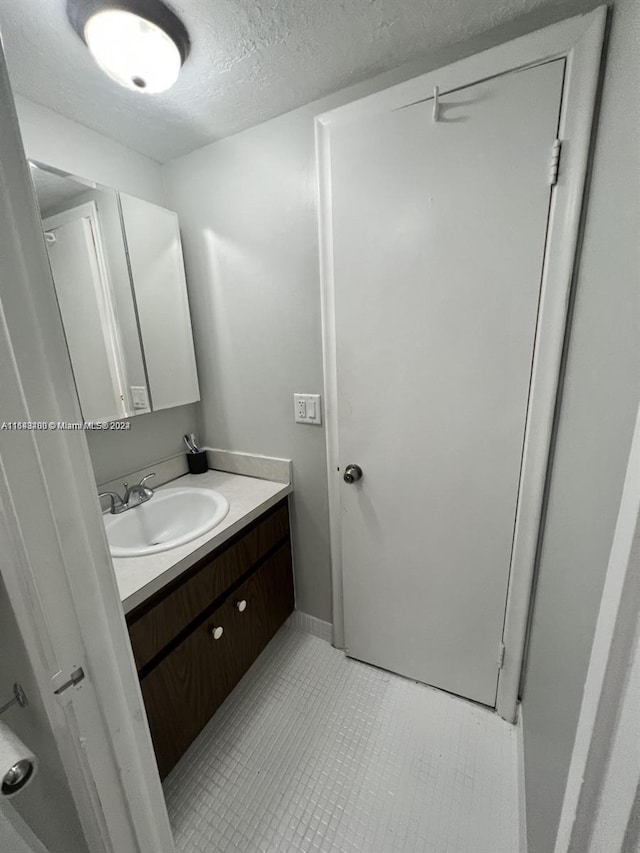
(120, 283)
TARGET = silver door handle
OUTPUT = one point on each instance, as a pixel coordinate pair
(352, 473)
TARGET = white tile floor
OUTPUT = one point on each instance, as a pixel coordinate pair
(316, 752)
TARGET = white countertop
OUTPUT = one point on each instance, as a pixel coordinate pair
(140, 577)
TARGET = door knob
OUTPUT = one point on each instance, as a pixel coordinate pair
(352, 473)
(217, 632)
(241, 605)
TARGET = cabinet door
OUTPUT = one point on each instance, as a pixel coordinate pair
(159, 284)
(182, 693)
(268, 599)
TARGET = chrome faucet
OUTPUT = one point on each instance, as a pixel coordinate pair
(133, 496)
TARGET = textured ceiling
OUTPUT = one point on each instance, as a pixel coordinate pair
(250, 60)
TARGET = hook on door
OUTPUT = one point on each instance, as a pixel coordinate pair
(436, 103)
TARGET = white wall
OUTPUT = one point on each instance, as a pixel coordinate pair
(596, 419)
(614, 811)
(598, 812)
(247, 206)
(150, 439)
(46, 804)
(65, 144)
(248, 224)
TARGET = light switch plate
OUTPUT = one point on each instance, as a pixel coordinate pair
(139, 397)
(307, 408)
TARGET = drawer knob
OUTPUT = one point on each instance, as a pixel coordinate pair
(217, 632)
(241, 605)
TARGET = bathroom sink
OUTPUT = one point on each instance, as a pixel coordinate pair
(172, 517)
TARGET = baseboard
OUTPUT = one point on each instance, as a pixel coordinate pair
(522, 799)
(311, 625)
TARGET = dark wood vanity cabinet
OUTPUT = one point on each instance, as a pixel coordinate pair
(245, 588)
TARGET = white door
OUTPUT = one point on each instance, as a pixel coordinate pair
(439, 234)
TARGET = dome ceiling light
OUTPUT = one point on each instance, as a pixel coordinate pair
(141, 44)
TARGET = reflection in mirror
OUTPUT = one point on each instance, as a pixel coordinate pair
(88, 260)
(119, 277)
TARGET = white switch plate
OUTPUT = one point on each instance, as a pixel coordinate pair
(139, 397)
(307, 408)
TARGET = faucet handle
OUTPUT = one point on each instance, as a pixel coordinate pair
(116, 501)
(142, 483)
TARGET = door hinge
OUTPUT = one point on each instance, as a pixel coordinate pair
(554, 166)
(74, 679)
(501, 651)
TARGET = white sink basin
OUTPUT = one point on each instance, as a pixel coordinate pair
(172, 517)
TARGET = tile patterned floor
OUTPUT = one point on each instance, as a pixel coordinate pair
(316, 753)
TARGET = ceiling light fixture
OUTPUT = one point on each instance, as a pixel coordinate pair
(141, 44)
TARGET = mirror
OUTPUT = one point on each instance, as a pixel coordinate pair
(120, 283)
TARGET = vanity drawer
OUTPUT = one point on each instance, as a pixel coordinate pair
(182, 692)
(156, 623)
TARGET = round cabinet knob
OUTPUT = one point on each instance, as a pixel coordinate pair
(241, 605)
(217, 632)
(352, 473)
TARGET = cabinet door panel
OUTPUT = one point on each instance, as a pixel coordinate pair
(182, 693)
(157, 269)
(268, 594)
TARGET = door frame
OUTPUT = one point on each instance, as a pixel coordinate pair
(604, 773)
(55, 560)
(579, 41)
